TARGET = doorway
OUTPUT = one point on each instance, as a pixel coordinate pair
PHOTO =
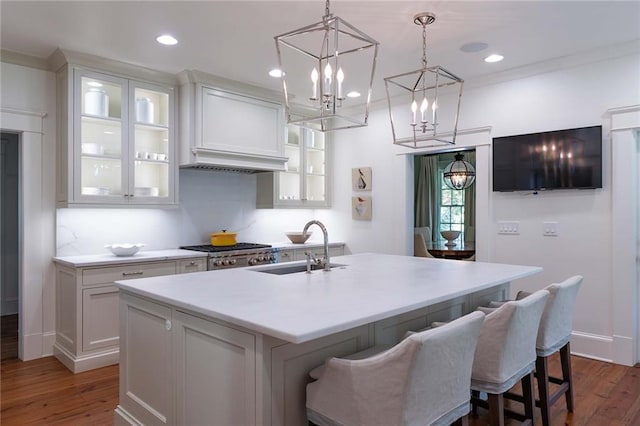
(9, 244)
(440, 208)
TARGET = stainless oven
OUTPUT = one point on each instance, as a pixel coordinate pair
(236, 256)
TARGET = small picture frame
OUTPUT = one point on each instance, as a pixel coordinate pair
(361, 178)
(361, 208)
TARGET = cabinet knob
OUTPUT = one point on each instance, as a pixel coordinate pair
(192, 263)
(167, 324)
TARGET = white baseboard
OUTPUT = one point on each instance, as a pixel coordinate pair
(78, 364)
(592, 346)
(122, 418)
(624, 350)
(31, 347)
(48, 340)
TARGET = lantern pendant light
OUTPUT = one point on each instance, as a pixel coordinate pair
(424, 104)
(459, 174)
(337, 62)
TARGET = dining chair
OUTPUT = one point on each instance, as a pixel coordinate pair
(506, 354)
(419, 246)
(423, 380)
(553, 336)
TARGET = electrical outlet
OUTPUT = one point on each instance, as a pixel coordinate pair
(550, 229)
(509, 228)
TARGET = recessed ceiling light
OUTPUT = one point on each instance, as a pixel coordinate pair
(475, 46)
(94, 84)
(167, 40)
(277, 73)
(494, 58)
(353, 94)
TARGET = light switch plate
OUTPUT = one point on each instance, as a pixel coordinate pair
(509, 227)
(550, 229)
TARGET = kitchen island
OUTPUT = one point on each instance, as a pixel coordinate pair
(233, 347)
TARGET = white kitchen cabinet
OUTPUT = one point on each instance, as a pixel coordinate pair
(116, 140)
(229, 125)
(305, 182)
(146, 373)
(87, 322)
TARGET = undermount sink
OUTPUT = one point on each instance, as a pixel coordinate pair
(293, 269)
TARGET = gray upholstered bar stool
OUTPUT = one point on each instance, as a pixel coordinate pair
(423, 380)
(553, 336)
(506, 354)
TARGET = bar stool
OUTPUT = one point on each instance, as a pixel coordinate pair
(506, 354)
(423, 380)
(553, 336)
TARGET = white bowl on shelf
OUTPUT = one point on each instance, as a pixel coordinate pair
(124, 249)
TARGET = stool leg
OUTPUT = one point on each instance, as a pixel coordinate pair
(496, 409)
(475, 395)
(542, 372)
(527, 394)
(565, 360)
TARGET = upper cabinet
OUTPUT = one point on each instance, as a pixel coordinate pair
(229, 125)
(116, 140)
(304, 183)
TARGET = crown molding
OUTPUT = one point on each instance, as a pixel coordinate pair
(16, 58)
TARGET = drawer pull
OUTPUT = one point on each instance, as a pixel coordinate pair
(128, 274)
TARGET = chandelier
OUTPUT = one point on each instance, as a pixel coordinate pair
(459, 174)
(327, 74)
(426, 102)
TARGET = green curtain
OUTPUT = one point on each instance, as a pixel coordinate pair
(427, 196)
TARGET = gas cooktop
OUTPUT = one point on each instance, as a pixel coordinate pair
(214, 249)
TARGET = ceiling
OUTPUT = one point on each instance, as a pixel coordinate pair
(234, 39)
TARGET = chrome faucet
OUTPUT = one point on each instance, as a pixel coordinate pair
(325, 259)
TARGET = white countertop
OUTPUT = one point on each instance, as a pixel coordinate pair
(300, 307)
(108, 258)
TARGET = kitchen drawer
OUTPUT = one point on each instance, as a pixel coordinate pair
(192, 265)
(125, 272)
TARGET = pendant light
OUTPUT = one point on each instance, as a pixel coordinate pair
(326, 68)
(424, 104)
(459, 174)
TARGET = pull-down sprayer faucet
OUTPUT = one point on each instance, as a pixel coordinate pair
(325, 260)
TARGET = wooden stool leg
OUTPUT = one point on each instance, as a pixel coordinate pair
(475, 395)
(496, 409)
(527, 394)
(542, 372)
(565, 360)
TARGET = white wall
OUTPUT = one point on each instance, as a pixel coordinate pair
(561, 99)
(28, 105)
(209, 202)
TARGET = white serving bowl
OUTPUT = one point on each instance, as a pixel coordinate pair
(124, 249)
(298, 237)
(450, 236)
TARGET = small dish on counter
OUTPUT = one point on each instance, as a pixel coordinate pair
(298, 237)
(124, 249)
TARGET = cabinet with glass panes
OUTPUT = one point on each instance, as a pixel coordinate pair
(304, 183)
(117, 140)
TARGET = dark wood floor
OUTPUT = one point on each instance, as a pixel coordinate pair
(9, 336)
(44, 392)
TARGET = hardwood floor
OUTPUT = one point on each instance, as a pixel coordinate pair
(44, 392)
(9, 336)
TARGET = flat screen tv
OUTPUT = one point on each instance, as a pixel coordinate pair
(561, 159)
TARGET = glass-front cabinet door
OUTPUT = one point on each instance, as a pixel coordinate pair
(304, 183)
(150, 149)
(122, 141)
(100, 136)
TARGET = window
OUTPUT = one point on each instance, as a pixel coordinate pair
(451, 209)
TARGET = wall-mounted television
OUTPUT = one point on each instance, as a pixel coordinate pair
(560, 159)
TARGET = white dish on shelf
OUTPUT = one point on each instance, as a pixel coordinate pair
(92, 190)
(92, 148)
(147, 191)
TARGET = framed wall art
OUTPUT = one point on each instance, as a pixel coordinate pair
(361, 178)
(361, 208)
